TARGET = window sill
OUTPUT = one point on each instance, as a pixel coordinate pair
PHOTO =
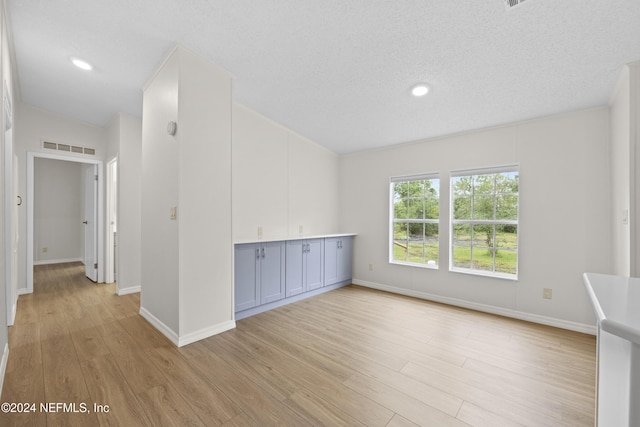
(415, 264)
(504, 276)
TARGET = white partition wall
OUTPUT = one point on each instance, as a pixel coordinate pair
(186, 250)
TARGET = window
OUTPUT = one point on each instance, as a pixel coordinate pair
(415, 216)
(484, 222)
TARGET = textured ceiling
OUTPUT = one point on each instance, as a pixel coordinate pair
(338, 72)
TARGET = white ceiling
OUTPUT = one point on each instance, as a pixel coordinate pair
(336, 71)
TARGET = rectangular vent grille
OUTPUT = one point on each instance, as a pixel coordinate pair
(68, 148)
(513, 3)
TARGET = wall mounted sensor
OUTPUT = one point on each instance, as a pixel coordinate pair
(172, 127)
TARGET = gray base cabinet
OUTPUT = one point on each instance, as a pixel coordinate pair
(304, 266)
(271, 274)
(259, 274)
(337, 259)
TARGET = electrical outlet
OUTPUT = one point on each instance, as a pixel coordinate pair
(173, 211)
(45, 249)
(547, 293)
(370, 267)
(259, 231)
(300, 230)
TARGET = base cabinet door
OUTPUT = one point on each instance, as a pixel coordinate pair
(294, 282)
(345, 262)
(272, 264)
(304, 266)
(259, 274)
(337, 259)
(314, 273)
(247, 292)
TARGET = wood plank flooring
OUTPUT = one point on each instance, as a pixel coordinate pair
(350, 357)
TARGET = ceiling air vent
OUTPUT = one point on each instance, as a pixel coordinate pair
(510, 4)
(68, 148)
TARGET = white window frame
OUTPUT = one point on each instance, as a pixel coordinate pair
(453, 222)
(392, 219)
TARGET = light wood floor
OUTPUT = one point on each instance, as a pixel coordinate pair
(350, 357)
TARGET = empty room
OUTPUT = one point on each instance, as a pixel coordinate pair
(343, 213)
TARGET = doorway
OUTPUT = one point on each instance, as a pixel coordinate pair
(97, 166)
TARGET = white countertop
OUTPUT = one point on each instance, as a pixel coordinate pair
(283, 238)
(616, 301)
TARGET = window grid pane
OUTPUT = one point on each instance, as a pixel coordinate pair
(415, 221)
(484, 222)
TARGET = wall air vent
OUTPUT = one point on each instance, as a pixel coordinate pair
(510, 4)
(68, 148)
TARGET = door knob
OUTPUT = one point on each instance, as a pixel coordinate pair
(85, 222)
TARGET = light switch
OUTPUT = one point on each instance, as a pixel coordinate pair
(172, 212)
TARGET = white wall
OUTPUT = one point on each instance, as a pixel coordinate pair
(634, 137)
(124, 142)
(281, 180)
(564, 204)
(57, 211)
(621, 162)
(159, 294)
(35, 125)
(187, 284)
(7, 60)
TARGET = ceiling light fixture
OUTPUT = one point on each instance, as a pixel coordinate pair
(83, 65)
(420, 89)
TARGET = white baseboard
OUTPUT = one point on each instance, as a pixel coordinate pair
(127, 291)
(189, 338)
(23, 291)
(3, 365)
(206, 333)
(164, 329)
(529, 317)
(56, 261)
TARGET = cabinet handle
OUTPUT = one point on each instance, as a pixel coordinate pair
(262, 253)
(308, 248)
(257, 253)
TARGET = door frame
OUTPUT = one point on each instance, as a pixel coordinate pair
(111, 255)
(31, 156)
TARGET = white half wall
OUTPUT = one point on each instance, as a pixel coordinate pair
(564, 213)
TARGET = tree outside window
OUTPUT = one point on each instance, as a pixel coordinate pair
(484, 221)
(415, 211)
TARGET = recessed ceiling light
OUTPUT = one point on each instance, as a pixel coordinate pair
(420, 89)
(83, 65)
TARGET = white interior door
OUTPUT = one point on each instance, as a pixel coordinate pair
(90, 222)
